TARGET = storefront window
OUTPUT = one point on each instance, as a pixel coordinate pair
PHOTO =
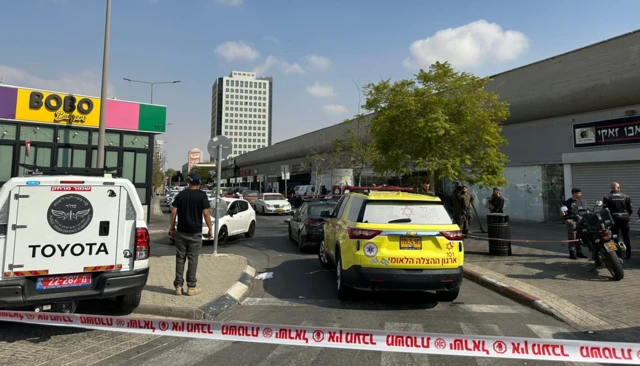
(6, 161)
(110, 139)
(72, 158)
(141, 168)
(110, 159)
(40, 156)
(552, 191)
(128, 164)
(136, 141)
(36, 133)
(7, 131)
(69, 136)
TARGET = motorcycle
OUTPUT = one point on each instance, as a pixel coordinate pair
(593, 228)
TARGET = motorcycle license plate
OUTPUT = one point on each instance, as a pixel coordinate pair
(610, 246)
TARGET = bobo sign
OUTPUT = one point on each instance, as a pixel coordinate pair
(56, 108)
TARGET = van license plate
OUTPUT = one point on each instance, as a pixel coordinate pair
(610, 246)
(407, 242)
(64, 281)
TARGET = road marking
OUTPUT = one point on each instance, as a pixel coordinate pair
(294, 355)
(188, 353)
(404, 359)
(553, 332)
(485, 329)
(471, 308)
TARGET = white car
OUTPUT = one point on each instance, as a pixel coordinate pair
(272, 203)
(236, 217)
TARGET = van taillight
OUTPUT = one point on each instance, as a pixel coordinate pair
(143, 250)
(71, 182)
(452, 235)
(362, 233)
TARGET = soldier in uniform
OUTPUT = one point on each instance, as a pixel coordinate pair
(455, 206)
(465, 200)
(425, 188)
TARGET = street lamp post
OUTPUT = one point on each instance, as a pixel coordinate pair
(152, 83)
(103, 92)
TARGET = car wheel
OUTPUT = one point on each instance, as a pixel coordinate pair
(301, 242)
(447, 296)
(290, 235)
(263, 211)
(252, 230)
(344, 292)
(128, 303)
(223, 235)
(323, 257)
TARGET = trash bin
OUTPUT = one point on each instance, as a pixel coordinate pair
(498, 228)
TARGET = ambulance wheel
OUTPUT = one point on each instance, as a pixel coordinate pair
(128, 303)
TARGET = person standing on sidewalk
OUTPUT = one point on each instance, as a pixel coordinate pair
(573, 204)
(425, 188)
(465, 201)
(496, 202)
(619, 204)
(191, 205)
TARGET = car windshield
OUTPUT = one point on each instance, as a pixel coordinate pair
(404, 212)
(250, 193)
(315, 211)
(224, 206)
(273, 197)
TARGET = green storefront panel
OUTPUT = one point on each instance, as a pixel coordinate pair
(152, 118)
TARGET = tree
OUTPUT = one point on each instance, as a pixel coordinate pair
(320, 165)
(178, 177)
(355, 150)
(205, 177)
(157, 175)
(444, 122)
(169, 173)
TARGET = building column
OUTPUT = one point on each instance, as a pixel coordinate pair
(568, 180)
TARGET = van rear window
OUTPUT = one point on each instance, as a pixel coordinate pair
(404, 212)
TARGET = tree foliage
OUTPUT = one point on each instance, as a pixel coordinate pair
(157, 175)
(321, 163)
(444, 122)
(205, 177)
(355, 150)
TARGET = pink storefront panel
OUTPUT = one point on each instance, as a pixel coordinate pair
(122, 115)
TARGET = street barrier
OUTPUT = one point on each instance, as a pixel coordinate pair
(522, 240)
(356, 339)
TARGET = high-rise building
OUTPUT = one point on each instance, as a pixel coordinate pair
(241, 107)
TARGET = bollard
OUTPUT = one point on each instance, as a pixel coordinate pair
(498, 228)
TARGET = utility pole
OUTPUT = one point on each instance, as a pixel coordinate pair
(103, 93)
(152, 83)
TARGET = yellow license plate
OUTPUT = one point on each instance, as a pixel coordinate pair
(611, 246)
(279, 209)
(410, 243)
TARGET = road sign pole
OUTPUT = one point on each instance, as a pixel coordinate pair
(217, 216)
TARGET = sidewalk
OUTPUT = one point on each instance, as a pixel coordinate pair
(542, 275)
(223, 279)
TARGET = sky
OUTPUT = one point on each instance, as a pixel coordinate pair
(320, 53)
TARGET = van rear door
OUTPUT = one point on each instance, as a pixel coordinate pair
(63, 229)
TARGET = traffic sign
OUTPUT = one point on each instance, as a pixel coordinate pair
(212, 147)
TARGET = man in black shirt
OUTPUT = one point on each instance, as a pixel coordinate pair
(191, 205)
(574, 204)
(619, 204)
(496, 201)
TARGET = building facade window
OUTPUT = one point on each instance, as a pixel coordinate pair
(36, 133)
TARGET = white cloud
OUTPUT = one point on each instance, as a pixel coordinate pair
(321, 90)
(236, 51)
(230, 2)
(318, 62)
(470, 45)
(86, 82)
(273, 62)
(335, 109)
(272, 39)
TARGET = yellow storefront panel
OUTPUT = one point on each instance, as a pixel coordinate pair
(57, 108)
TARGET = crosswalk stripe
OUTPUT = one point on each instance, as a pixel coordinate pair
(484, 329)
(190, 352)
(471, 308)
(553, 332)
(404, 359)
(294, 355)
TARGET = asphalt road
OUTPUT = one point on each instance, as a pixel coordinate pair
(299, 293)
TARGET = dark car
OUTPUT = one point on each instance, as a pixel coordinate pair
(251, 197)
(307, 225)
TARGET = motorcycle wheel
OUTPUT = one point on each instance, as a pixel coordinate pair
(614, 265)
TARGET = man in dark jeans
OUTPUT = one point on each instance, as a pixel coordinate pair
(191, 205)
(619, 204)
(573, 205)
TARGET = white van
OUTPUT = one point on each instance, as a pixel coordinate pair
(69, 238)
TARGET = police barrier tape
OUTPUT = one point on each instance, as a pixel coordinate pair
(522, 240)
(357, 339)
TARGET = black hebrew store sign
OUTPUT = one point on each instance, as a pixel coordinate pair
(610, 132)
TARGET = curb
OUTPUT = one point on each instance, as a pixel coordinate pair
(515, 294)
(233, 296)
